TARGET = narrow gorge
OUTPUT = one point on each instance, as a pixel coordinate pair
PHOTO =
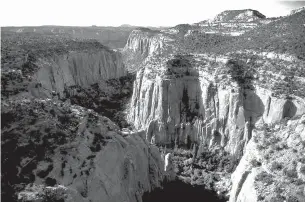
(185, 103)
(154, 121)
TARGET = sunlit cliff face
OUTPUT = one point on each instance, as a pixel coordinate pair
(179, 109)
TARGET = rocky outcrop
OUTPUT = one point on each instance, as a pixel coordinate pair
(144, 43)
(75, 69)
(297, 10)
(77, 149)
(246, 15)
(270, 169)
(195, 109)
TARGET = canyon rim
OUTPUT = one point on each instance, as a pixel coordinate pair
(209, 111)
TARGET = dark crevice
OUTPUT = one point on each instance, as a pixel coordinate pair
(289, 109)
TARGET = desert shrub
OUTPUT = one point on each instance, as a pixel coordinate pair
(218, 161)
(279, 188)
(292, 199)
(64, 119)
(57, 195)
(265, 178)
(255, 163)
(168, 72)
(260, 197)
(276, 166)
(298, 181)
(182, 153)
(301, 159)
(52, 111)
(292, 173)
(277, 198)
(287, 86)
(256, 139)
(179, 61)
(279, 147)
(208, 180)
(231, 166)
(202, 42)
(260, 147)
(197, 173)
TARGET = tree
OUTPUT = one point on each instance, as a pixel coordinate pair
(242, 69)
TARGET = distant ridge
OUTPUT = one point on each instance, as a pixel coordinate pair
(285, 35)
(182, 28)
(126, 25)
(297, 10)
(245, 15)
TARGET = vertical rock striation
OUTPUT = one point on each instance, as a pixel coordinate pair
(195, 109)
(144, 43)
(76, 69)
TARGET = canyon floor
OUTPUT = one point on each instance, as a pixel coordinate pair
(210, 111)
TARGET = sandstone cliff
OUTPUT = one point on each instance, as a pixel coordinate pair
(75, 148)
(144, 43)
(76, 69)
(195, 108)
(144, 40)
(184, 95)
(273, 166)
(56, 151)
(246, 15)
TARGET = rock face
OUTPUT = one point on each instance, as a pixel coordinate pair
(142, 44)
(195, 109)
(56, 151)
(272, 167)
(48, 64)
(76, 69)
(75, 154)
(297, 10)
(83, 152)
(145, 41)
(246, 15)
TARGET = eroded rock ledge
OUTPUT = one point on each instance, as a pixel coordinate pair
(59, 144)
(195, 109)
(184, 106)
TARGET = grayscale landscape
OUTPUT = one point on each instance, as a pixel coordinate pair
(211, 111)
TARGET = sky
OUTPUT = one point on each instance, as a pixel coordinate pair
(133, 12)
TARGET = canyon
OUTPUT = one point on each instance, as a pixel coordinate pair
(95, 124)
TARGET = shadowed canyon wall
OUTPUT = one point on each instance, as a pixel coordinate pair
(193, 108)
(76, 69)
